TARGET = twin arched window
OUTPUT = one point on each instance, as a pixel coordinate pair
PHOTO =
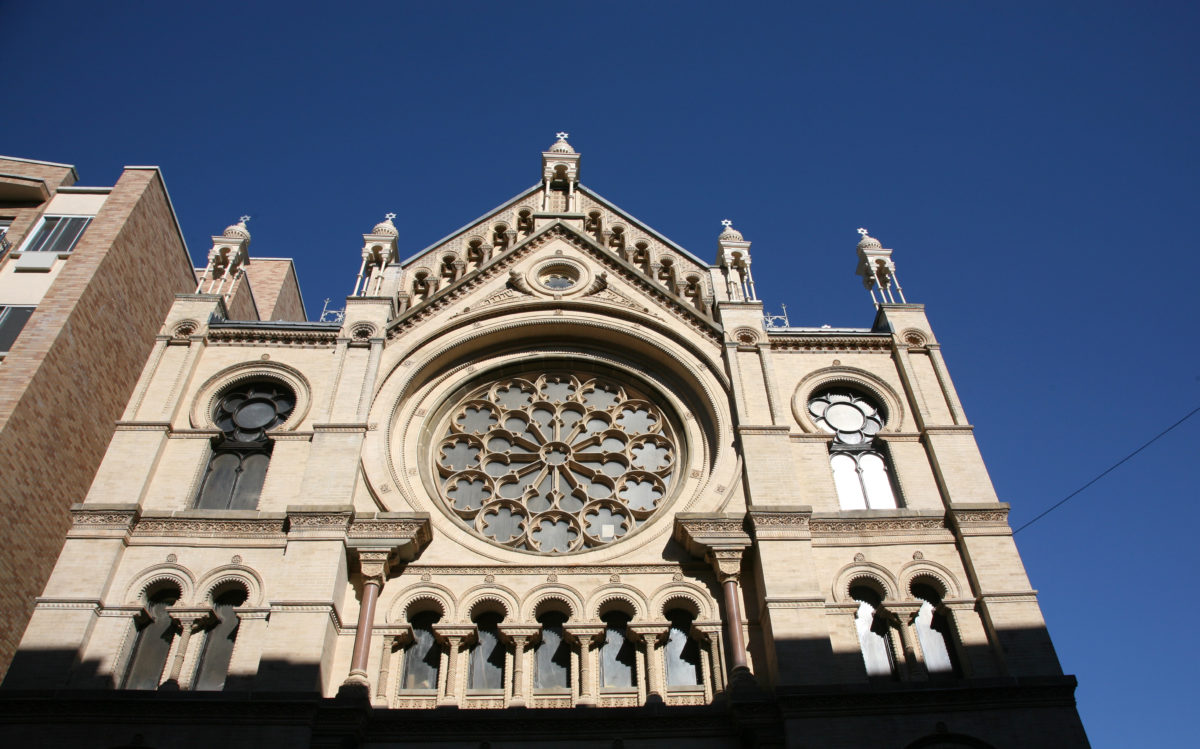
(859, 461)
(878, 628)
(237, 466)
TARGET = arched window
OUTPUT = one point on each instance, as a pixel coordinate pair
(238, 464)
(219, 640)
(681, 652)
(874, 633)
(156, 632)
(424, 656)
(552, 658)
(934, 632)
(858, 459)
(618, 656)
(487, 657)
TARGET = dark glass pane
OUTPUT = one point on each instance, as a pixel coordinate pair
(552, 666)
(219, 481)
(218, 644)
(487, 657)
(617, 655)
(153, 644)
(12, 321)
(424, 655)
(69, 230)
(682, 653)
(45, 233)
(250, 482)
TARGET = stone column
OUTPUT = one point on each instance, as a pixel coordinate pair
(586, 634)
(520, 636)
(187, 620)
(454, 636)
(913, 666)
(374, 566)
(385, 667)
(728, 564)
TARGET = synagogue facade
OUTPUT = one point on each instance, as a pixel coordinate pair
(549, 482)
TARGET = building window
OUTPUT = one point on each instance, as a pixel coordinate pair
(617, 655)
(57, 234)
(874, 633)
(12, 322)
(5, 245)
(934, 632)
(424, 656)
(552, 657)
(487, 657)
(859, 461)
(681, 652)
(219, 640)
(241, 454)
(156, 632)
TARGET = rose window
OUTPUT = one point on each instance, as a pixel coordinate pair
(853, 418)
(555, 463)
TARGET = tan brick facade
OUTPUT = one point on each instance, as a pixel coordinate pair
(555, 410)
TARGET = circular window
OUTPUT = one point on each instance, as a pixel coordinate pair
(245, 413)
(852, 417)
(556, 462)
(558, 277)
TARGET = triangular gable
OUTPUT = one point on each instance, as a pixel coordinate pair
(613, 262)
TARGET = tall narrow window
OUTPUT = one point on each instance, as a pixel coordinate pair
(156, 632)
(874, 633)
(57, 234)
(12, 322)
(424, 656)
(682, 653)
(859, 460)
(237, 467)
(617, 655)
(552, 664)
(487, 657)
(219, 641)
(934, 632)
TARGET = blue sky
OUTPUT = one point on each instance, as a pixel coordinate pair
(1032, 164)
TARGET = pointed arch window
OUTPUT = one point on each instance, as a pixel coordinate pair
(423, 659)
(861, 469)
(487, 657)
(618, 656)
(219, 640)
(874, 633)
(552, 657)
(156, 630)
(237, 466)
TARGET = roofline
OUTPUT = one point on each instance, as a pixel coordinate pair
(657, 235)
(519, 196)
(82, 190)
(74, 173)
(174, 216)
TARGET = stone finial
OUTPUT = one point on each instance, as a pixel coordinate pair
(238, 230)
(878, 271)
(867, 240)
(730, 233)
(561, 145)
(386, 227)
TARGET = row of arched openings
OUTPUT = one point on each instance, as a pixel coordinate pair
(880, 633)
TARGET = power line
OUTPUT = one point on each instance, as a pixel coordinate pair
(1108, 470)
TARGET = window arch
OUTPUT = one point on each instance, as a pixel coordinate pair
(487, 656)
(552, 656)
(219, 639)
(423, 658)
(156, 631)
(237, 466)
(861, 469)
(934, 631)
(874, 633)
(681, 653)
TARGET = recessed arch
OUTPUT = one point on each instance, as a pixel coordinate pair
(166, 572)
(419, 598)
(205, 402)
(873, 575)
(854, 378)
(937, 575)
(617, 597)
(551, 597)
(232, 573)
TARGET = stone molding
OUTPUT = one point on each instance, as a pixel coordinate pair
(790, 523)
(258, 336)
(823, 525)
(631, 569)
(874, 342)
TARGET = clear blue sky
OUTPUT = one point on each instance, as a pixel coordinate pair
(1032, 164)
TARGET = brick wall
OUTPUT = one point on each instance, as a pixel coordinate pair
(70, 374)
(276, 290)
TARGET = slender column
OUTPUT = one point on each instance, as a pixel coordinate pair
(518, 684)
(187, 621)
(908, 639)
(728, 563)
(385, 663)
(374, 564)
(452, 668)
(586, 634)
(654, 677)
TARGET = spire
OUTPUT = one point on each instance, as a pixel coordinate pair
(380, 249)
(560, 177)
(229, 254)
(877, 270)
(735, 262)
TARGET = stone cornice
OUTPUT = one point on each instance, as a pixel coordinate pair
(267, 335)
(985, 519)
(875, 522)
(873, 342)
(779, 523)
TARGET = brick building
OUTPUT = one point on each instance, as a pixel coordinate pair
(553, 462)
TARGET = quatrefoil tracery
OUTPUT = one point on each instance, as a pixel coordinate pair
(555, 463)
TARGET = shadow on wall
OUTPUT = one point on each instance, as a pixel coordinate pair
(50, 699)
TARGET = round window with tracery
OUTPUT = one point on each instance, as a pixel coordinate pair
(852, 417)
(557, 462)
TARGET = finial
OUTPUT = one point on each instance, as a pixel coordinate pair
(730, 234)
(389, 216)
(862, 231)
(244, 219)
(562, 136)
(726, 223)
